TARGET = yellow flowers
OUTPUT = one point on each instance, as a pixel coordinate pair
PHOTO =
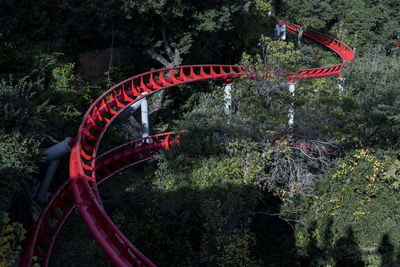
(361, 156)
(357, 215)
(345, 169)
(11, 236)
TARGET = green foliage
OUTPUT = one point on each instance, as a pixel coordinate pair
(353, 209)
(322, 111)
(196, 219)
(193, 27)
(63, 78)
(364, 23)
(12, 235)
(36, 111)
(262, 7)
(17, 108)
(61, 95)
(19, 140)
(262, 103)
(47, 103)
(372, 83)
(356, 22)
(201, 212)
(314, 14)
(277, 59)
(204, 204)
(18, 157)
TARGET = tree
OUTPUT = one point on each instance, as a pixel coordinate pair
(353, 208)
(302, 153)
(372, 82)
(315, 14)
(356, 22)
(184, 27)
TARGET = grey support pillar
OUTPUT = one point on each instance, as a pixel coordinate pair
(136, 105)
(283, 33)
(228, 96)
(144, 107)
(145, 117)
(340, 84)
(41, 195)
(57, 151)
(52, 156)
(292, 85)
(280, 31)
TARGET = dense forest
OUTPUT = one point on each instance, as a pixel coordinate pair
(236, 191)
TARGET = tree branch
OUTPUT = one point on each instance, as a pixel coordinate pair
(154, 55)
(166, 44)
(279, 216)
(177, 57)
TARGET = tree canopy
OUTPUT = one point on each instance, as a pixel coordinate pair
(244, 188)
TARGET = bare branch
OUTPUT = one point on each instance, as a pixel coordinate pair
(280, 217)
(159, 58)
(174, 58)
(177, 57)
(295, 169)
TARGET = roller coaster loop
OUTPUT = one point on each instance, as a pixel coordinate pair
(87, 169)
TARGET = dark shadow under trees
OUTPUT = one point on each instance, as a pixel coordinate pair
(345, 251)
(342, 252)
(188, 227)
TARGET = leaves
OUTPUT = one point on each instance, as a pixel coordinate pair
(372, 83)
(11, 237)
(359, 194)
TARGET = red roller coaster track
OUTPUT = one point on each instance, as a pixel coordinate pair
(87, 170)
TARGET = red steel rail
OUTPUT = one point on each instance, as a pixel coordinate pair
(87, 169)
(61, 204)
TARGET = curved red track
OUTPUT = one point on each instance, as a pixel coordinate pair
(62, 202)
(87, 170)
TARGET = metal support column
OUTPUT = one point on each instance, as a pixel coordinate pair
(340, 84)
(52, 157)
(292, 85)
(228, 96)
(145, 117)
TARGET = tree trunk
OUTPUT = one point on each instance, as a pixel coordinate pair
(157, 98)
(174, 60)
(111, 54)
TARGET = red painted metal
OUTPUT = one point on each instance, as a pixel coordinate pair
(61, 204)
(397, 37)
(289, 140)
(84, 163)
(344, 51)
